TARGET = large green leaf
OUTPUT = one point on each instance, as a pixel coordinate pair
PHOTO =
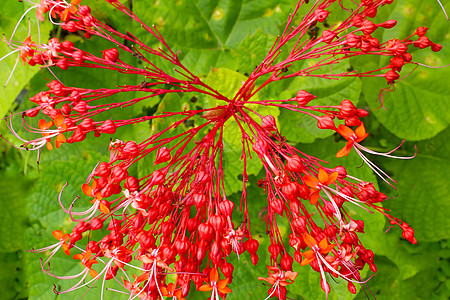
(423, 199)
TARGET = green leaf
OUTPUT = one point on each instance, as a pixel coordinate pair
(423, 199)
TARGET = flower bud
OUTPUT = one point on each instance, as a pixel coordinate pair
(391, 76)
(157, 178)
(303, 97)
(368, 27)
(131, 183)
(111, 55)
(87, 124)
(260, 147)
(320, 14)
(226, 207)
(162, 155)
(286, 262)
(325, 122)
(107, 127)
(328, 36)
(269, 123)
(81, 107)
(388, 24)
(103, 170)
(421, 31)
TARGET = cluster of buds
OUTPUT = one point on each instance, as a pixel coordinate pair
(178, 219)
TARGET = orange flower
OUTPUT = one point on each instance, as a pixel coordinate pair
(63, 238)
(171, 292)
(316, 184)
(27, 49)
(58, 121)
(351, 136)
(89, 191)
(322, 247)
(278, 277)
(135, 288)
(87, 261)
(214, 284)
(71, 8)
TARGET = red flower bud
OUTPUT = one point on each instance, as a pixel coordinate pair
(328, 36)
(325, 122)
(205, 232)
(391, 76)
(251, 245)
(103, 170)
(119, 173)
(286, 262)
(423, 42)
(290, 190)
(130, 149)
(436, 47)
(421, 31)
(63, 63)
(107, 127)
(294, 164)
(368, 27)
(67, 46)
(81, 107)
(397, 63)
(77, 136)
(84, 10)
(132, 184)
(303, 97)
(269, 123)
(274, 250)
(69, 26)
(217, 222)
(78, 56)
(182, 246)
(226, 207)
(320, 14)
(96, 224)
(87, 124)
(347, 108)
(33, 112)
(352, 40)
(351, 287)
(388, 24)
(260, 147)
(162, 155)
(111, 55)
(157, 178)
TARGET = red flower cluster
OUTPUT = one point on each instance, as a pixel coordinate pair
(178, 219)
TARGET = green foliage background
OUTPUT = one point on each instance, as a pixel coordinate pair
(234, 35)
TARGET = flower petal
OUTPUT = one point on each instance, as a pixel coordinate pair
(323, 176)
(310, 181)
(309, 240)
(345, 131)
(332, 178)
